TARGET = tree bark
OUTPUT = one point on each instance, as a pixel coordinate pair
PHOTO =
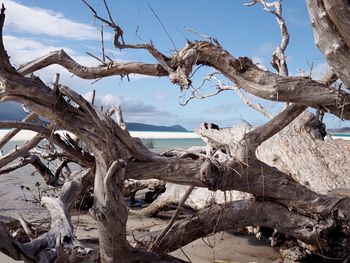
(331, 25)
(280, 201)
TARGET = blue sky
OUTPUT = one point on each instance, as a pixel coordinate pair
(34, 28)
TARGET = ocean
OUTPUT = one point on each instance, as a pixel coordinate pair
(162, 145)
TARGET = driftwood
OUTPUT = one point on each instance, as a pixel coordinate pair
(233, 162)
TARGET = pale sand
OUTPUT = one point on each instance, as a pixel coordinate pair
(6, 259)
(221, 247)
(226, 247)
(25, 135)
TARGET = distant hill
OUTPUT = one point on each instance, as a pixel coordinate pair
(133, 126)
(339, 130)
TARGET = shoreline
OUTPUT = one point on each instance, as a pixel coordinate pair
(26, 135)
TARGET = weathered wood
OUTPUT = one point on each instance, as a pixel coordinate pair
(30, 117)
(281, 201)
(240, 213)
(328, 161)
(330, 21)
(199, 199)
(60, 57)
(59, 242)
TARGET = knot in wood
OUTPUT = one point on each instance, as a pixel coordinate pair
(242, 64)
(205, 171)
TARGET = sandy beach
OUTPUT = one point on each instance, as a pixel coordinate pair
(25, 135)
(223, 247)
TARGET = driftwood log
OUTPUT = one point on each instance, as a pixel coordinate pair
(302, 210)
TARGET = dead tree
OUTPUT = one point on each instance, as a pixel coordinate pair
(319, 221)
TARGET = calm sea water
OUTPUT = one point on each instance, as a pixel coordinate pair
(162, 145)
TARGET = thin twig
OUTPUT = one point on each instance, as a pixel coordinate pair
(110, 60)
(183, 252)
(161, 23)
(172, 220)
(97, 16)
(109, 12)
(25, 226)
(103, 46)
(93, 97)
(97, 58)
(199, 34)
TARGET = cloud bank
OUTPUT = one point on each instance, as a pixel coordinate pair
(38, 21)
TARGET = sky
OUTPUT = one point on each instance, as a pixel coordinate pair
(34, 28)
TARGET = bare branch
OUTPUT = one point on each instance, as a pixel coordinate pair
(279, 61)
(237, 214)
(60, 167)
(97, 58)
(60, 238)
(8, 244)
(30, 117)
(232, 175)
(25, 226)
(45, 172)
(221, 87)
(75, 153)
(116, 68)
(15, 166)
(23, 150)
(5, 61)
(266, 131)
(172, 220)
(108, 11)
(258, 107)
(117, 111)
(241, 71)
(161, 23)
(161, 58)
(103, 46)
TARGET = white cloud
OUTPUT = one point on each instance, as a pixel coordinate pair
(133, 110)
(40, 21)
(22, 50)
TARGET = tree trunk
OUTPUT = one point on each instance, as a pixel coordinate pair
(328, 161)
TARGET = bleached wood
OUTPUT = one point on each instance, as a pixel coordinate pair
(330, 21)
(281, 201)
